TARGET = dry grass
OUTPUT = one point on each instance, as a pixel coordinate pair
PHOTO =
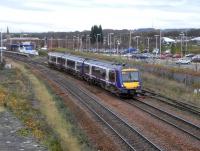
(2, 109)
(170, 88)
(53, 117)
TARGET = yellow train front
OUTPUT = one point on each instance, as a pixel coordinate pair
(129, 81)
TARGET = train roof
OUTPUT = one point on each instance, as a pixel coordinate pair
(66, 56)
(105, 64)
(98, 63)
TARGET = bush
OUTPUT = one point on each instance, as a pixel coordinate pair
(43, 53)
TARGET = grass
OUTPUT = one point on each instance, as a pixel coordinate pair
(62, 121)
(42, 53)
(15, 95)
(170, 88)
(18, 87)
(194, 49)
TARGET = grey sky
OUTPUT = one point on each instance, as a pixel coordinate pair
(65, 15)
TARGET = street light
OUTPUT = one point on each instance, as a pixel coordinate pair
(66, 44)
(111, 40)
(81, 42)
(51, 42)
(118, 43)
(160, 43)
(1, 48)
(130, 39)
(98, 42)
(186, 44)
(88, 37)
(181, 35)
(137, 37)
(156, 42)
(148, 43)
(74, 42)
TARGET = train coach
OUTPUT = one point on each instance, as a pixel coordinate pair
(116, 78)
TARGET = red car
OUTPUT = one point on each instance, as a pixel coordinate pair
(168, 55)
(162, 57)
(176, 56)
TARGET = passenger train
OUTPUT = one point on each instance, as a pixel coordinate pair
(116, 78)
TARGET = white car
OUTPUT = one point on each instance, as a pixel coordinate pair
(183, 61)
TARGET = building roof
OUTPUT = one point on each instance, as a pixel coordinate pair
(196, 39)
(166, 39)
(24, 38)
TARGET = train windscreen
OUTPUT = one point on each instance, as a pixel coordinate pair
(130, 76)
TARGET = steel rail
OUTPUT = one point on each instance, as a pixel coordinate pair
(181, 124)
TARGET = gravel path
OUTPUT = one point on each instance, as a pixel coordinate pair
(10, 140)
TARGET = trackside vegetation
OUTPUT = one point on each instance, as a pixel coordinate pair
(42, 111)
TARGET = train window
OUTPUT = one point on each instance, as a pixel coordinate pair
(112, 76)
(53, 59)
(78, 66)
(99, 72)
(61, 61)
(71, 64)
(130, 76)
(86, 68)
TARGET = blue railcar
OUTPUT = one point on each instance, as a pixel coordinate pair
(116, 78)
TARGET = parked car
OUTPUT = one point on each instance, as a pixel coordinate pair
(190, 55)
(168, 55)
(162, 56)
(183, 61)
(196, 58)
(176, 56)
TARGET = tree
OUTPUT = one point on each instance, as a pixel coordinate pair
(95, 30)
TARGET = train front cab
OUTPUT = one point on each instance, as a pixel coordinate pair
(130, 82)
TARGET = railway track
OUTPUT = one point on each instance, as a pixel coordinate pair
(172, 102)
(133, 139)
(175, 121)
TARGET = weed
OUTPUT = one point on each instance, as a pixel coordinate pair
(15, 93)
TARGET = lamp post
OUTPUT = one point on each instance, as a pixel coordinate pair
(186, 44)
(98, 42)
(1, 48)
(148, 43)
(160, 43)
(90, 42)
(110, 40)
(74, 42)
(66, 44)
(137, 37)
(181, 35)
(156, 42)
(51, 42)
(81, 43)
(118, 43)
(130, 38)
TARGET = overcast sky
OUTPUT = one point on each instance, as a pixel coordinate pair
(71, 15)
